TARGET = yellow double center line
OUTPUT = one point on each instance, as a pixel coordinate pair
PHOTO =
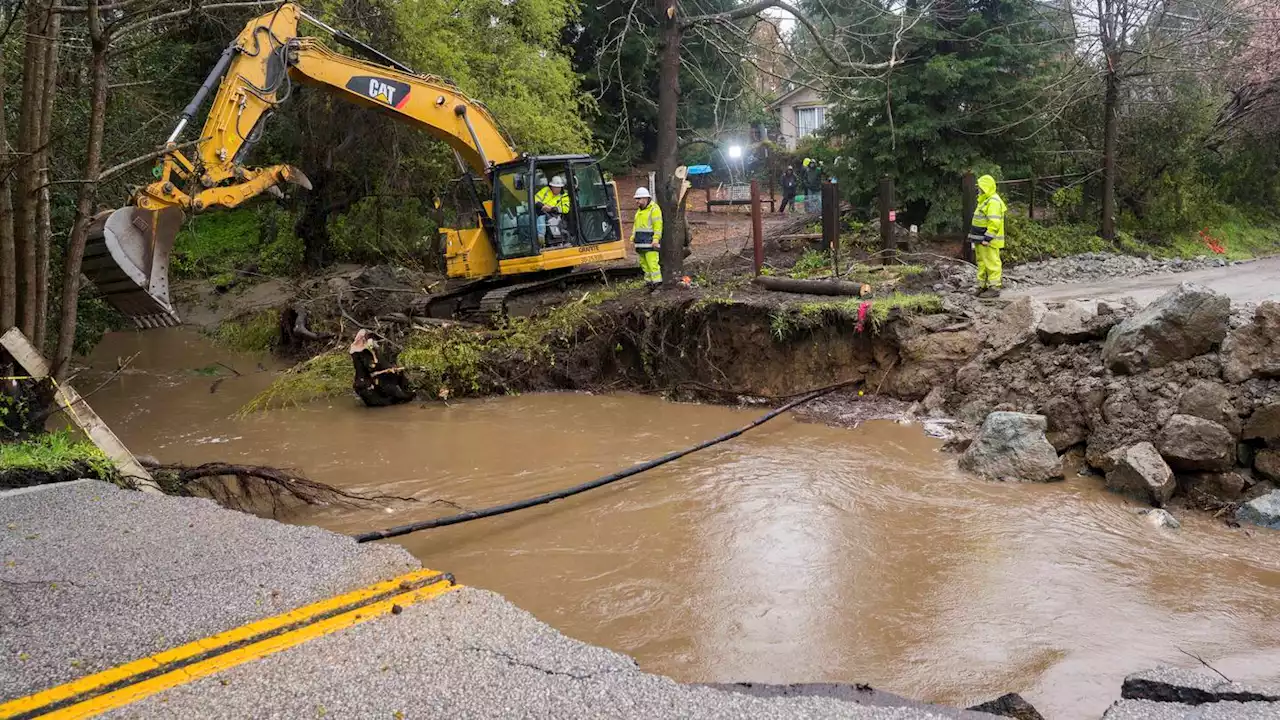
(133, 681)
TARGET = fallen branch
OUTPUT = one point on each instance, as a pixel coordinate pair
(1206, 664)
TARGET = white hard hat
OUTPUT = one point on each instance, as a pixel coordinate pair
(642, 192)
(557, 181)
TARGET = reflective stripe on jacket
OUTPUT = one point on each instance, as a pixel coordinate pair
(561, 201)
(988, 216)
(646, 232)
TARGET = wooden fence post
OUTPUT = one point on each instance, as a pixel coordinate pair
(1031, 206)
(757, 227)
(831, 222)
(887, 219)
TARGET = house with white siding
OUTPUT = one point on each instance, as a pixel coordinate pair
(801, 113)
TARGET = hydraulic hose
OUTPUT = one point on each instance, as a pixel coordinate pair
(470, 515)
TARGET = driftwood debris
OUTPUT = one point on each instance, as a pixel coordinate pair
(809, 287)
(256, 489)
(293, 328)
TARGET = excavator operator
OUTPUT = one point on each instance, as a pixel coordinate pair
(553, 202)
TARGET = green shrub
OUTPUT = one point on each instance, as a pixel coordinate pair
(1028, 241)
(215, 242)
(377, 229)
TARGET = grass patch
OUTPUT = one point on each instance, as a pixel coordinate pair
(789, 321)
(817, 264)
(709, 301)
(52, 452)
(326, 375)
(255, 333)
(811, 263)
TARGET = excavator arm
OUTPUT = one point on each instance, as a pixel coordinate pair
(257, 73)
(127, 256)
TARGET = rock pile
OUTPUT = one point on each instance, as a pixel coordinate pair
(1166, 401)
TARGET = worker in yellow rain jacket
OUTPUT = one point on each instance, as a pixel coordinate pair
(646, 233)
(551, 201)
(986, 233)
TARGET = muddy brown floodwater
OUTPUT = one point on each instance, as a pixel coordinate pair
(797, 553)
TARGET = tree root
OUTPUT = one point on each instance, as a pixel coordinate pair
(256, 489)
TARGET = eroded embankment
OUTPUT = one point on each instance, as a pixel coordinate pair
(681, 342)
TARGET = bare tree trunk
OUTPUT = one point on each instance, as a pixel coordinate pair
(27, 179)
(86, 194)
(8, 260)
(44, 230)
(667, 191)
(1110, 128)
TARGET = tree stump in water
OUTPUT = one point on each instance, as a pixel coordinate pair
(379, 381)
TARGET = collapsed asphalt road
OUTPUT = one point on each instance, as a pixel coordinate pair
(92, 577)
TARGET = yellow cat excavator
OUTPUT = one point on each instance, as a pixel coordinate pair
(511, 240)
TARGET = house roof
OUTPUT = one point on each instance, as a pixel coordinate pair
(788, 95)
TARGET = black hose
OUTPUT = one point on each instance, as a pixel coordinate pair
(598, 482)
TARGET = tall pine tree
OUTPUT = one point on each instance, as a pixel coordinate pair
(971, 94)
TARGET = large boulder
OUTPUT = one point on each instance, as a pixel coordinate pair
(1226, 486)
(1267, 464)
(1015, 327)
(1192, 444)
(925, 357)
(1067, 423)
(1264, 425)
(1211, 401)
(1264, 511)
(1139, 472)
(1076, 322)
(1253, 351)
(1011, 446)
(1187, 321)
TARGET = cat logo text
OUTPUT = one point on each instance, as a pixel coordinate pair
(384, 91)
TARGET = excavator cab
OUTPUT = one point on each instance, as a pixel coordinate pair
(523, 230)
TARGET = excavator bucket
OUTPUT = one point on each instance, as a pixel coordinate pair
(127, 257)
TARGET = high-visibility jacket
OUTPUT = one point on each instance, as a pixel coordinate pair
(546, 197)
(988, 216)
(646, 231)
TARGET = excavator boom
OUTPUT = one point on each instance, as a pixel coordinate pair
(127, 256)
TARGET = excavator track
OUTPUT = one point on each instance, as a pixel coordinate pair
(494, 303)
(488, 299)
